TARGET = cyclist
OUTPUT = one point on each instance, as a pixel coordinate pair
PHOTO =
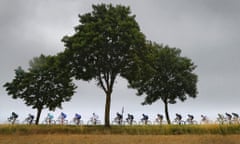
(62, 117)
(130, 118)
(118, 118)
(144, 118)
(178, 118)
(77, 118)
(30, 118)
(159, 118)
(13, 118)
(49, 118)
(94, 118)
(190, 119)
(221, 118)
(229, 117)
(235, 117)
(204, 119)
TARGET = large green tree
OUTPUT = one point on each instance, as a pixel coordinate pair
(44, 85)
(171, 79)
(104, 45)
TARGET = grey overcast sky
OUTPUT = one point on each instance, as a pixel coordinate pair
(207, 31)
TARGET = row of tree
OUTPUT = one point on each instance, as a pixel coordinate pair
(106, 44)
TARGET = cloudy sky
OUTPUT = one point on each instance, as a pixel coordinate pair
(206, 31)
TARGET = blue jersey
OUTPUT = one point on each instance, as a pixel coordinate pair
(64, 115)
(78, 116)
(50, 116)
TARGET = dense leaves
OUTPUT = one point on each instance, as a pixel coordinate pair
(44, 85)
(171, 77)
(104, 46)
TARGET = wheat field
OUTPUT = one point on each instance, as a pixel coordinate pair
(169, 134)
(118, 139)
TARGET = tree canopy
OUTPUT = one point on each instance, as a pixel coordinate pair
(171, 77)
(104, 45)
(44, 85)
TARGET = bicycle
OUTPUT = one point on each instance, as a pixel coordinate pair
(93, 122)
(28, 121)
(130, 122)
(159, 122)
(221, 119)
(205, 120)
(178, 122)
(144, 122)
(117, 121)
(12, 120)
(49, 121)
(61, 121)
(190, 120)
(235, 119)
(75, 121)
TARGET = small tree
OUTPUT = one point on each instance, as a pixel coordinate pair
(171, 77)
(44, 85)
(103, 47)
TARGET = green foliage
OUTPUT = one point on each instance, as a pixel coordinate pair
(129, 130)
(103, 43)
(44, 85)
(170, 77)
(104, 46)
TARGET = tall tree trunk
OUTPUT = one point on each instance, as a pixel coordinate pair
(107, 109)
(166, 112)
(39, 111)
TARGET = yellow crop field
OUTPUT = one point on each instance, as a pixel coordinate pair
(158, 134)
(118, 139)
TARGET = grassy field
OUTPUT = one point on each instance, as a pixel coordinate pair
(166, 134)
(127, 130)
(118, 139)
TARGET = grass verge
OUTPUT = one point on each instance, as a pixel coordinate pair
(122, 130)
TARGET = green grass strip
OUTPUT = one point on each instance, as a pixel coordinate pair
(128, 130)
